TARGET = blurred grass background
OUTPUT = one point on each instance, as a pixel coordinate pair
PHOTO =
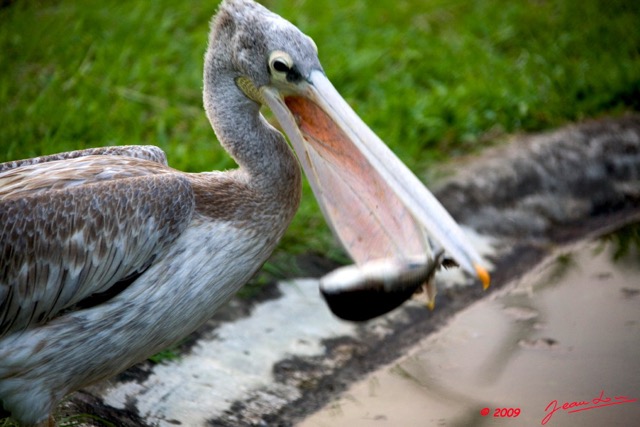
(435, 79)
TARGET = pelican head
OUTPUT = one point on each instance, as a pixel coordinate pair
(262, 46)
(375, 205)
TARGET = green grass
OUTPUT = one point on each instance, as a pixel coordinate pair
(433, 78)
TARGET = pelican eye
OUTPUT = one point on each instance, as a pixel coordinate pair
(280, 62)
(281, 66)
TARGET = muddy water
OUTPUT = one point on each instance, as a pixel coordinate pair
(567, 333)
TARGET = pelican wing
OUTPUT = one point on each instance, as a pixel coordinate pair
(63, 240)
(144, 152)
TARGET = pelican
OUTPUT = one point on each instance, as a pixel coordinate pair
(108, 255)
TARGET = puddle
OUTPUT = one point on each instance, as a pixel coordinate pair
(567, 332)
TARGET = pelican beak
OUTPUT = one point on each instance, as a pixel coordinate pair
(374, 204)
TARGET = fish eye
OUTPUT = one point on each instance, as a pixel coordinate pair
(280, 62)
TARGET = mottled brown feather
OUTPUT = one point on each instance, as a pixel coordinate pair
(31, 179)
(59, 245)
(144, 152)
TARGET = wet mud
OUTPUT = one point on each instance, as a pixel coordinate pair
(564, 334)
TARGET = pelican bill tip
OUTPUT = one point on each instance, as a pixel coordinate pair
(483, 275)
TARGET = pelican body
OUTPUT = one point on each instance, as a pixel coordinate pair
(109, 255)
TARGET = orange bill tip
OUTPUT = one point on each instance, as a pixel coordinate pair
(483, 275)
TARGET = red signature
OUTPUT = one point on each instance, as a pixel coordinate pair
(571, 407)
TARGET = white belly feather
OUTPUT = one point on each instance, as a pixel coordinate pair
(202, 270)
